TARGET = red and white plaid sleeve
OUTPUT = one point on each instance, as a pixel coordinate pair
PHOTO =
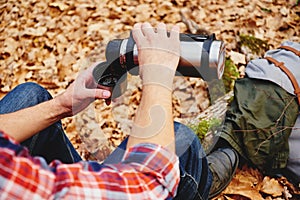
(147, 171)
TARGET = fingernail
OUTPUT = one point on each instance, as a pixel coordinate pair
(107, 102)
(106, 94)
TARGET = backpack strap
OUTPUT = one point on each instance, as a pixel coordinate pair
(288, 48)
(288, 73)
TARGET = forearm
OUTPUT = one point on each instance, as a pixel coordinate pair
(158, 127)
(24, 123)
(158, 59)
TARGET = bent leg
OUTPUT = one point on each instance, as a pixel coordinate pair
(195, 176)
(51, 143)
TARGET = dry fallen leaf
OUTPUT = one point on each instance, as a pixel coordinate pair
(59, 5)
(271, 186)
(245, 184)
(30, 31)
(237, 57)
(10, 46)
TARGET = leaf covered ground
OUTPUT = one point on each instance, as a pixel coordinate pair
(50, 42)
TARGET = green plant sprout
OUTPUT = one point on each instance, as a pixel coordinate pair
(205, 126)
(231, 73)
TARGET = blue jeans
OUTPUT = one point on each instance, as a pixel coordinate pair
(52, 143)
(195, 177)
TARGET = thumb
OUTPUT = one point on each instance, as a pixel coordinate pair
(95, 94)
(101, 93)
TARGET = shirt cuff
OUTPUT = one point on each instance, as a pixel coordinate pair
(153, 158)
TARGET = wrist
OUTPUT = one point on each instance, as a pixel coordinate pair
(158, 75)
(156, 94)
(156, 91)
(60, 108)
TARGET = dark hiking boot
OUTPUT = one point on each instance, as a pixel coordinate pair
(223, 163)
(292, 177)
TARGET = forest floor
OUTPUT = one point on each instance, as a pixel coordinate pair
(50, 42)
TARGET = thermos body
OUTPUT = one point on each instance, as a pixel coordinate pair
(200, 56)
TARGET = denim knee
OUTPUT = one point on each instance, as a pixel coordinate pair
(33, 90)
(186, 140)
(23, 96)
(193, 164)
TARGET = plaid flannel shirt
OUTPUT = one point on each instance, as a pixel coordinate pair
(147, 171)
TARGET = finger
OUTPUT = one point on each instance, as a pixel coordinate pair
(137, 32)
(162, 29)
(147, 29)
(100, 93)
(174, 33)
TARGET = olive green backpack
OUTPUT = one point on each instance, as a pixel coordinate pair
(265, 107)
